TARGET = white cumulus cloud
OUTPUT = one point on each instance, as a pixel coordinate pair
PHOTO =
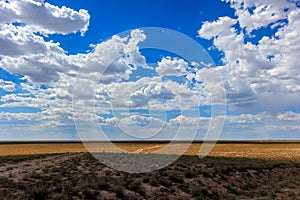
(262, 75)
(44, 17)
(172, 67)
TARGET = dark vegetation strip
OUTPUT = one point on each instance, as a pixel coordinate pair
(155, 142)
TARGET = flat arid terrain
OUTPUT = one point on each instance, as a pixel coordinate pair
(233, 170)
(249, 149)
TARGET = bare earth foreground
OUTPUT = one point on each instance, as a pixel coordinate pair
(240, 170)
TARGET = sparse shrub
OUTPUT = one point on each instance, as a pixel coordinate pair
(263, 192)
(248, 185)
(40, 194)
(191, 173)
(205, 173)
(164, 181)
(184, 187)
(199, 191)
(162, 173)
(280, 177)
(34, 174)
(103, 186)
(108, 173)
(88, 195)
(21, 185)
(175, 178)
(134, 186)
(119, 191)
(153, 182)
(68, 190)
(227, 170)
(58, 189)
(233, 189)
(182, 165)
(146, 179)
(6, 182)
(215, 194)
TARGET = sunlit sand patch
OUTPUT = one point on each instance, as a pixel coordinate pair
(148, 149)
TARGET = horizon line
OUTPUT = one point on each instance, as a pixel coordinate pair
(268, 141)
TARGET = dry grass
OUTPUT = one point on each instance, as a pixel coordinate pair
(27, 149)
(275, 150)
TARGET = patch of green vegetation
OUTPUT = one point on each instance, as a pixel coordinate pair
(40, 194)
(103, 186)
(6, 182)
(191, 173)
(35, 175)
(119, 191)
(175, 178)
(21, 158)
(146, 179)
(199, 191)
(87, 194)
(232, 189)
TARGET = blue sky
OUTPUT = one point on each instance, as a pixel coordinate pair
(112, 17)
(224, 70)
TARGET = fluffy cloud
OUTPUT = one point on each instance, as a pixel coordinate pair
(39, 68)
(262, 75)
(172, 67)
(183, 120)
(26, 52)
(253, 15)
(20, 40)
(154, 91)
(221, 26)
(138, 126)
(256, 73)
(8, 86)
(44, 17)
(144, 93)
(112, 60)
(289, 116)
